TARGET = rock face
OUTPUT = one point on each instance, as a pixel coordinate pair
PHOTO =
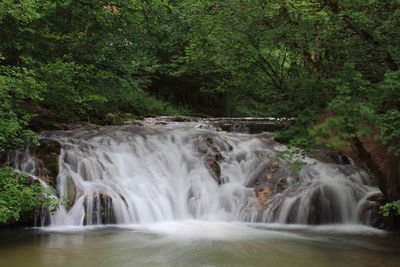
(211, 157)
(47, 160)
(98, 209)
(71, 191)
(369, 211)
(271, 179)
(286, 196)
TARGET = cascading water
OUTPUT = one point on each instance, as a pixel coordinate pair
(180, 171)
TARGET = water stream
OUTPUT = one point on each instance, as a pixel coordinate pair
(179, 171)
(187, 193)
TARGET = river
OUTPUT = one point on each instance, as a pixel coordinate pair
(194, 243)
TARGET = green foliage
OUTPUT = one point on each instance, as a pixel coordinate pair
(17, 85)
(81, 60)
(392, 207)
(19, 195)
(390, 130)
(69, 91)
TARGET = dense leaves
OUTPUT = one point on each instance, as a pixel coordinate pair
(392, 207)
(19, 195)
(331, 65)
(18, 87)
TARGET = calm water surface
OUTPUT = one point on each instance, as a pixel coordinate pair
(195, 243)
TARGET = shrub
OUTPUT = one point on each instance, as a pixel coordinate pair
(20, 194)
(390, 207)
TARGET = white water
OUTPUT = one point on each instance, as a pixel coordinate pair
(157, 174)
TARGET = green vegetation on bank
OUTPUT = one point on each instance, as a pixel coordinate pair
(20, 195)
(393, 207)
(332, 65)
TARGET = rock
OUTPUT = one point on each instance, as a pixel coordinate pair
(369, 211)
(100, 211)
(214, 168)
(249, 125)
(331, 157)
(47, 159)
(128, 115)
(211, 156)
(314, 216)
(71, 191)
(271, 179)
(182, 119)
(274, 176)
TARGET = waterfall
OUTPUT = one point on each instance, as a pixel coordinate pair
(182, 171)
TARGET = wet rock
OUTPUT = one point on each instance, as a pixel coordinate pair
(237, 125)
(110, 118)
(314, 215)
(105, 208)
(272, 179)
(71, 192)
(369, 211)
(274, 176)
(331, 157)
(47, 160)
(214, 168)
(293, 212)
(98, 209)
(211, 155)
(249, 125)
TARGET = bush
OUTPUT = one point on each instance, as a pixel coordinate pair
(20, 194)
(390, 207)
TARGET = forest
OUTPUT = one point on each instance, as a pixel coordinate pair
(331, 66)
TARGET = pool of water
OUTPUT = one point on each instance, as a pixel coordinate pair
(196, 243)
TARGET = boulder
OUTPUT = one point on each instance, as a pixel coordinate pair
(101, 209)
(273, 176)
(211, 155)
(369, 211)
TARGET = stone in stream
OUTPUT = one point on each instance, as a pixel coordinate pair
(98, 209)
(211, 156)
(273, 176)
(71, 192)
(214, 168)
(369, 211)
